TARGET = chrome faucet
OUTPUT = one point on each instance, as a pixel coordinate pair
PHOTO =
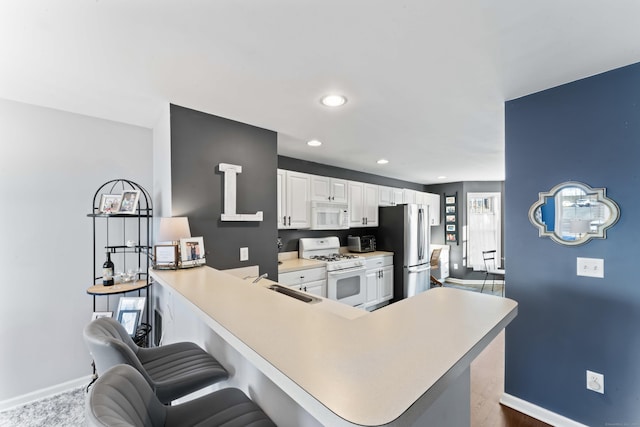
(262, 276)
(258, 278)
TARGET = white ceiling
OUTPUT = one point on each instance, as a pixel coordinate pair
(426, 80)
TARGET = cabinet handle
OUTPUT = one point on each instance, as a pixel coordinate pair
(284, 220)
(289, 220)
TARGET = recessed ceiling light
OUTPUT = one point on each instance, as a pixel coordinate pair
(383, 161)
(333, 100)
(442, 177)
(314, 143)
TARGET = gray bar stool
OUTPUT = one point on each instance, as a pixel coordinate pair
(172, 370)
(121, 396)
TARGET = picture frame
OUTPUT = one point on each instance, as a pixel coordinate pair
(451, 219)
(192, 252)
(129, 319)
(129, 202)
(165, 257)
(131, 303)
(110, 203)
(99, 314)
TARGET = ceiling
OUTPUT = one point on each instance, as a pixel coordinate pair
(425, 80)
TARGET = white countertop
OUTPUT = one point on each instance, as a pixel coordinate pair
(295, 264)
(368, 369)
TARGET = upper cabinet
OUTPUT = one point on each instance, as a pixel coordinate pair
(433, 201)
(363, 204)
(389, 196)
(297, 190)
(294, 190)
(325, 189)
(408, 196)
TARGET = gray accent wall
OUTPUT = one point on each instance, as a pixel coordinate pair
(456, 251)
(201, 141)
(587, 131)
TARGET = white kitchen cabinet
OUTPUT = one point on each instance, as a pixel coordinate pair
(311, 280)
(389, 196)
(433, 201)
(408, 196)
(325, 189)
(379, 276)
(293, 199)
(363, 204)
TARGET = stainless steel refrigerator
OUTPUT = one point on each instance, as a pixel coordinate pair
(404, 230)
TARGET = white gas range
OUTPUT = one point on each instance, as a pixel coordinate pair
(346, 279)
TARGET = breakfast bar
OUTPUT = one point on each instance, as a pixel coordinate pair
(404, 364)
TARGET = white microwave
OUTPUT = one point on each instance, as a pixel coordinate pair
(329, 216)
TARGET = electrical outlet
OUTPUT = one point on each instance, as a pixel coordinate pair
(595, 382)
(590, 267)
(244, 254)
(455, 266)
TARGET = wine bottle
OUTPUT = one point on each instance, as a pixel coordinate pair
(107, 271)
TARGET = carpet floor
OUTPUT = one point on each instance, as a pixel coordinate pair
(62, 410)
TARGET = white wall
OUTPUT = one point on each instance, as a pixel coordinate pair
(51, 164)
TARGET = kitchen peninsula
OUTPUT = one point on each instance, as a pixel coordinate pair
(405, 364)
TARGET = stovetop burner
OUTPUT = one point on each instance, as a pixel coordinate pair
(333, 257)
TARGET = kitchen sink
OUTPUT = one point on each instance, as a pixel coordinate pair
(285, 290)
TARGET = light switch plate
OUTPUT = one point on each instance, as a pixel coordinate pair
(244, 254)
(591, 267)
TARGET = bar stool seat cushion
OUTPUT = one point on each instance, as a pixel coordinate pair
(122, 397)
(172, 370)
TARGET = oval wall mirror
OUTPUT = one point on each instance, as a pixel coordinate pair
(572, 213)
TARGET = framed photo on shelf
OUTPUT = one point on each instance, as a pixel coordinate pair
(450, 200)
(129, 201)
(451, 227)
(99, 314)
(110, 203)
(451, 237)
(129, 319)
(450, 209)
(192, 252)
(450, 218)
(130, 303)
(165, 257)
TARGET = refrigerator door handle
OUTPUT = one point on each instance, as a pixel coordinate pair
(417, 269)
(420, 234)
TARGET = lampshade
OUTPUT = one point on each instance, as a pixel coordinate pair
(174, 229)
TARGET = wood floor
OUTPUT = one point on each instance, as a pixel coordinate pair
(487, 386)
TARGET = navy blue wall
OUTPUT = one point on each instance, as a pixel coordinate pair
(586, 131)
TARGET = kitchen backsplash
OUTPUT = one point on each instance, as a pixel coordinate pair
(290, 237)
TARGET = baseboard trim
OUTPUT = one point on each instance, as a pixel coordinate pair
(44, 393)
(538, 412)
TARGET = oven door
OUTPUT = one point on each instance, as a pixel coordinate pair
(347, 286)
